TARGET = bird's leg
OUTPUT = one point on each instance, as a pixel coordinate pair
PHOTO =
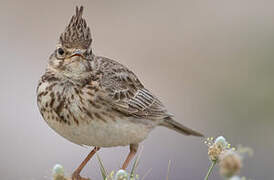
(76, 173)
(133, 149)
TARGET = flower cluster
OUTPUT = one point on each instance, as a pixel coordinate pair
(230, 163)
(229, 159)
(217, 147)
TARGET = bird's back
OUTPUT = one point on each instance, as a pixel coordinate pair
(126, 93)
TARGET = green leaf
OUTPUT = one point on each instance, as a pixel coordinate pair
(136, 163)
(102, 168)
(168, 169)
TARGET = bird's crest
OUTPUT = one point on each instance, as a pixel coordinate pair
(77, 33)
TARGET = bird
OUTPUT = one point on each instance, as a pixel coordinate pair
(96, 101)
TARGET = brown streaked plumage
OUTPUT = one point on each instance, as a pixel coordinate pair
(95, 101)
(77, 33)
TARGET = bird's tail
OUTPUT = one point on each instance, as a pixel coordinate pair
(172, 124)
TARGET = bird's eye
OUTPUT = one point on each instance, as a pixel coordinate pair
(60, 51)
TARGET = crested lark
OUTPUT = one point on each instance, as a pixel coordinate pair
(95, 101)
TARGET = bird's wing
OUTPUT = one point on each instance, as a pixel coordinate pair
(125, 92)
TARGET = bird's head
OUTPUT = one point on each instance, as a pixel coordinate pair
(73, 52)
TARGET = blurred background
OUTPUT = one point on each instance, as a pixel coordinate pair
(210, 62)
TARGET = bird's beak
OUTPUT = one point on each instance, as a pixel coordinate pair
(77, 53)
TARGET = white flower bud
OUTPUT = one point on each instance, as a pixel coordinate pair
(222, 141)
(235, 178)
(58, 170)
(121, 175)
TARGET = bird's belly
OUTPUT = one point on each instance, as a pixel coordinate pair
(79, 117)
(101, 134)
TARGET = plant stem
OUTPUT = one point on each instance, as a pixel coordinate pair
(210, 169)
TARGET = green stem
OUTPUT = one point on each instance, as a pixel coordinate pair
(210, 169)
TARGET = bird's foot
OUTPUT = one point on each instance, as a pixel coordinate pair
(76, 176)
